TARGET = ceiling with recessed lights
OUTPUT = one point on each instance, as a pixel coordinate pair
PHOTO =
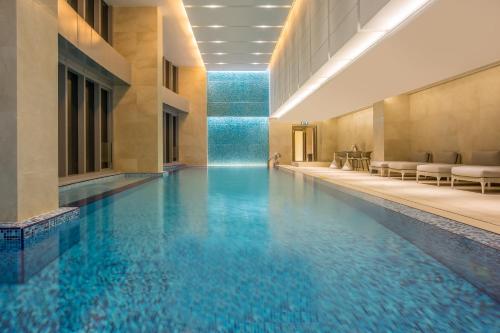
(237, 34)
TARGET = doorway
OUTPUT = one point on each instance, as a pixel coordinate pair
(304, 143)
(170, 138)
(106, 144)
(73, 124)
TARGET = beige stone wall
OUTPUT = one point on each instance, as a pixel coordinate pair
(396, 131)
(193, 147)
(327, 139)
(28, 111)
(334, 134)
(280, 139)
(355, 128)
(137, 109)
(462, 115)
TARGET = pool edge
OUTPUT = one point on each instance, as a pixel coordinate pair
(482, 236)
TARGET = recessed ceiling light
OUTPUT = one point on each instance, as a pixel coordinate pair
(260, 53)
(221, 63)
(263, 41)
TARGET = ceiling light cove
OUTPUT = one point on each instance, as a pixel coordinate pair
(273, 6)
(205, 6)
(215, 26)
(241, 33)
(389, 18)
(212, 41)
(267, 26)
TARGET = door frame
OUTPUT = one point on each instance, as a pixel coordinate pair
(303, 128)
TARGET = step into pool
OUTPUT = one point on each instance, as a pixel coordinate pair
(247, 250)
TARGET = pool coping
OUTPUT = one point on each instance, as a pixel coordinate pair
(18, 232)
(481, 236)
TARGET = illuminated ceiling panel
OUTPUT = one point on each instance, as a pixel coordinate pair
(237, 34)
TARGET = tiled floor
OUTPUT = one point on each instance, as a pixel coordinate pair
(466, 205)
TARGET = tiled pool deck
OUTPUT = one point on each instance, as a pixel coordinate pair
(476, 234)
(464, 204)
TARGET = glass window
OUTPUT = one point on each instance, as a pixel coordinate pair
(90, 126)
(72, 121)
(105, 21)
(175, 83)
(167, 74)
(73, 3)
(90, 13)
(175, 150)
(166, 138)
(105, 125)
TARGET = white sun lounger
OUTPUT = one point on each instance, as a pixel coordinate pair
(486, 171)
(408, 167)
(441, 167)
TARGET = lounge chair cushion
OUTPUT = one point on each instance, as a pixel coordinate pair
(404, 165)
(475, 171)
(436, 168)
(379, 164)
(445, 157)
(486, 157)
(420, 157)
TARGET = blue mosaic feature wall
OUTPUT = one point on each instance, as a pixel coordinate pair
(238, 111)
(238, 94)
(238, 140)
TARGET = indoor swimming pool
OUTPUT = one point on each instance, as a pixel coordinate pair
(246, 250)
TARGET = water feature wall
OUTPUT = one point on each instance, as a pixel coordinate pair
(238, 111)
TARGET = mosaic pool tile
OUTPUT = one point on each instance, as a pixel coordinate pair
(238, 94)
(15, 234)
(238, 110)
(234, 140)
(246, 250)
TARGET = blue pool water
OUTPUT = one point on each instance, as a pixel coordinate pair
(240, 250)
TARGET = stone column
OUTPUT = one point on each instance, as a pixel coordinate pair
(137, 111)
(28, 109)
(391, 129)
(193, 147)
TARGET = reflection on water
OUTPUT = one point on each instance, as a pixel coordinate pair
(245, 249)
